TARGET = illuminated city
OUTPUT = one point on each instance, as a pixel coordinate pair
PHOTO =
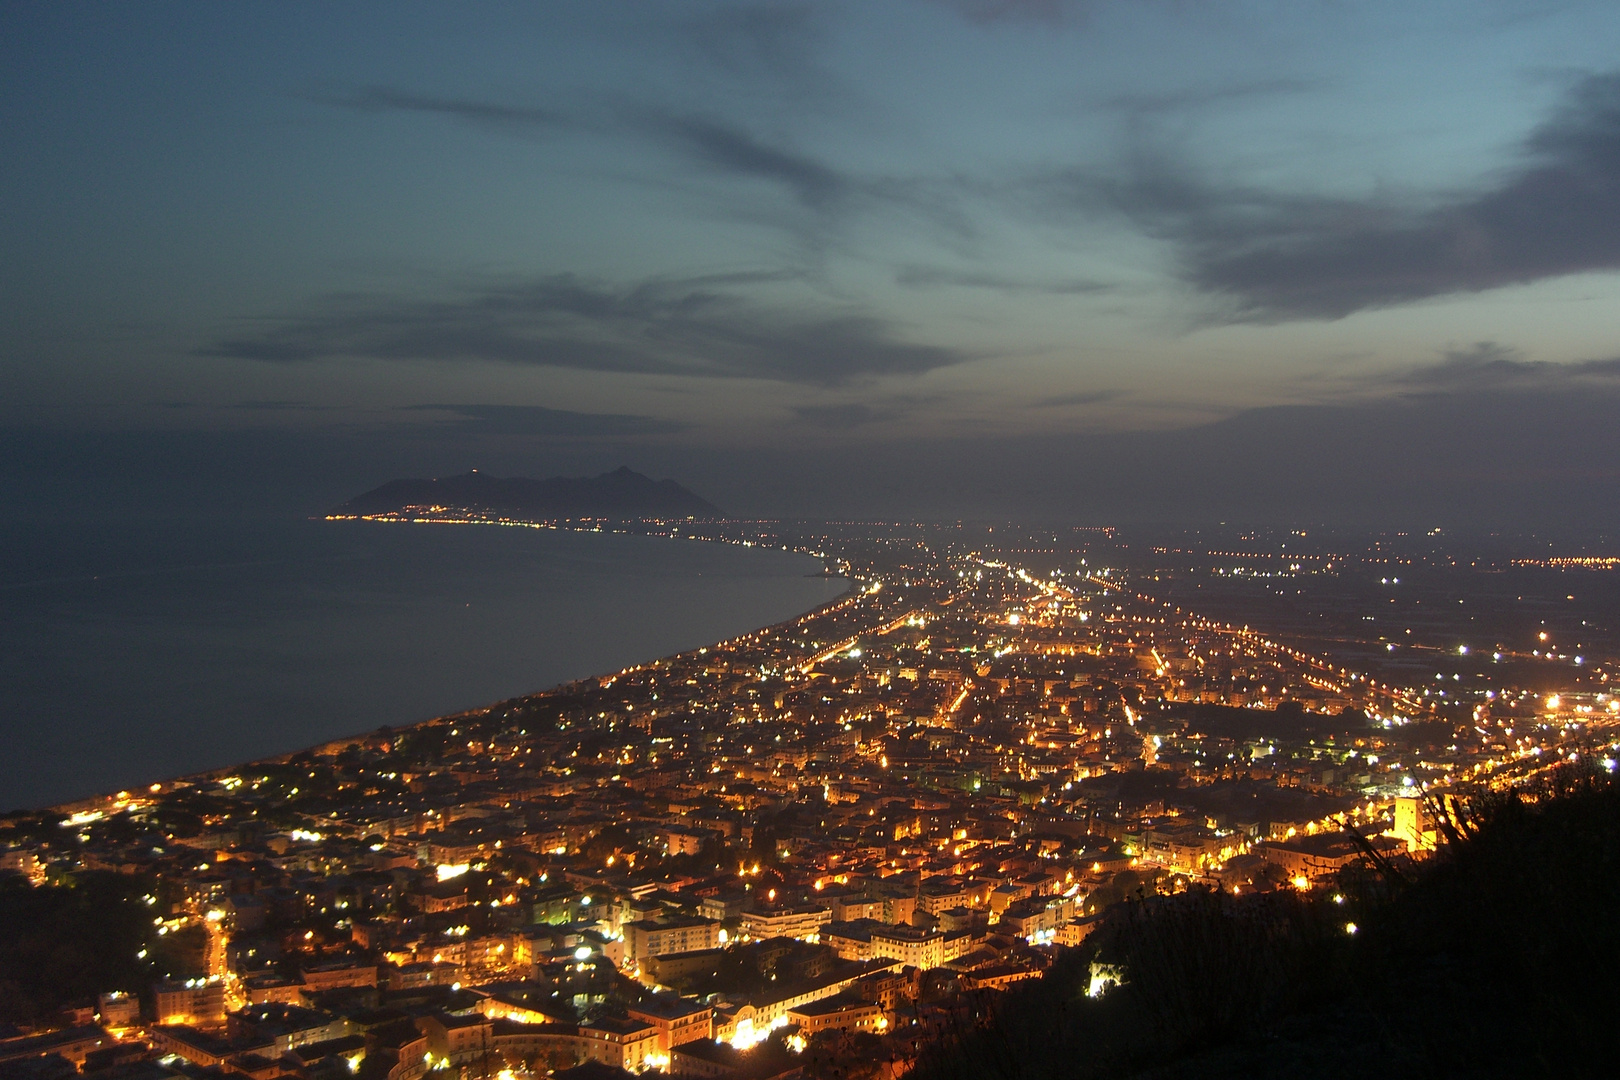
(809, 839)
(809, 540)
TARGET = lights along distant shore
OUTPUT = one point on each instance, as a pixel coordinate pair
(95, 807)
(301, 631)
(622, 494)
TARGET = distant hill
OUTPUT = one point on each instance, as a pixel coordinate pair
(621, 494)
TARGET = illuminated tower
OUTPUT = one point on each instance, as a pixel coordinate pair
(1410, 824)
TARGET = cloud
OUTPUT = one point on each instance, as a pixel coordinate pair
(927, 276)
(1275, 257)
(1050, 12)
(557, 423)
(250, 406)
(278, 406)
(267, 350)
(768, 50)
(704, 140)
(1500, 461)
(1487, 367)
(823, 195)
(1085, 397)
(843, 417)
(379, 99)
(730, 150)
(1199, 97)
(674, 327)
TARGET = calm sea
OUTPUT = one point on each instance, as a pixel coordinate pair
(137, 649)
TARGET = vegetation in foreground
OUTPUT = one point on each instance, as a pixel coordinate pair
(64, 942)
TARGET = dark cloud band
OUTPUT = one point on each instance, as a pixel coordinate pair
(1275, 257)
(536, 420)
(690, 327)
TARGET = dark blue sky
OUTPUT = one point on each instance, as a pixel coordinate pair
(1158, 258)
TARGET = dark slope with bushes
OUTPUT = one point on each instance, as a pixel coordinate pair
(1498, 957)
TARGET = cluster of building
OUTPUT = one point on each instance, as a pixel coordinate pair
(782, 848)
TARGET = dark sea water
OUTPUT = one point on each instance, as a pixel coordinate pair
(139, 648)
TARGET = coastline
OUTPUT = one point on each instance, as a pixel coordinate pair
(128, 798)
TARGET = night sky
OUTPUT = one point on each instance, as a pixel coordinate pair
(1163, 260)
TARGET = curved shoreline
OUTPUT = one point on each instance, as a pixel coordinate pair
(100, 801)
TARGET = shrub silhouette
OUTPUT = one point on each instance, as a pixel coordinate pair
(1499, 956)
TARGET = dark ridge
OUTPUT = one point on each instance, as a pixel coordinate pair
(622, 494)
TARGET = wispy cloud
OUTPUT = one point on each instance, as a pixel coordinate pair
(678, 327)
(772, 51)
(1050, 12)
(1085, 397)
(930, 276)
(1209, 95)
(822, 196)
(536, 420)
(379, 99)
(843, 417)
(1488, 367)
(708, 141)
(731, 150)
(278, 406)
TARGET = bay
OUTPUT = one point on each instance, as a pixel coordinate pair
(135, 648)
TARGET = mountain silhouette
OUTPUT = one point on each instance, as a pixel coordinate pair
(622, 494)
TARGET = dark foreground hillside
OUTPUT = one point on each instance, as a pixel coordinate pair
(1499, 957)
